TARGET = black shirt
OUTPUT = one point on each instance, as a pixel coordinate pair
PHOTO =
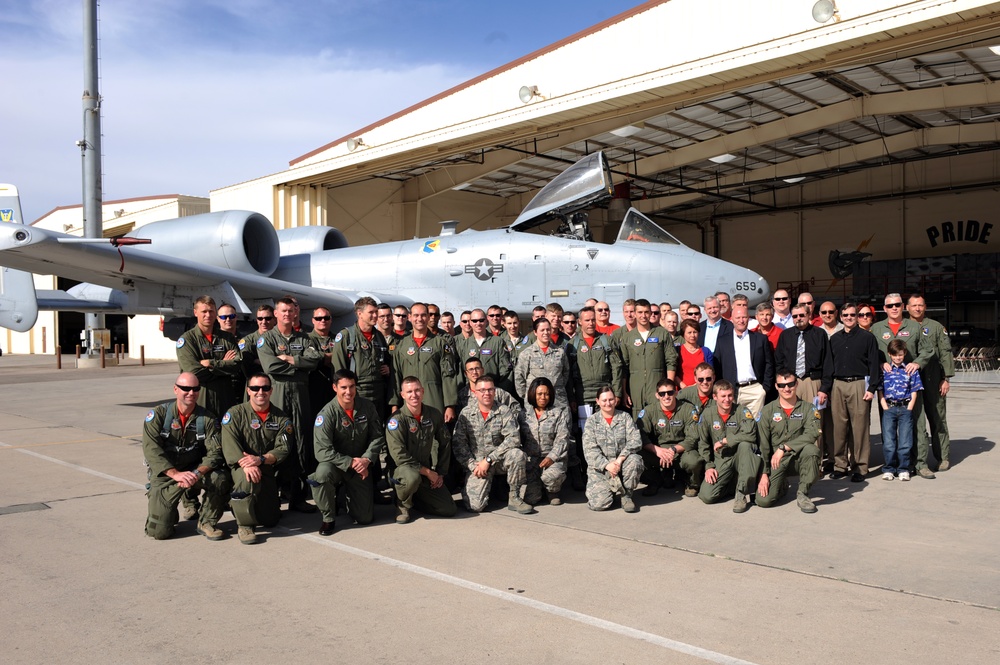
(855, 353)
(819, 361)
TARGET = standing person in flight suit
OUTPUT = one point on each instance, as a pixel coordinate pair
(648, 355)
(288, 357)
(432, 360)
(363, 349)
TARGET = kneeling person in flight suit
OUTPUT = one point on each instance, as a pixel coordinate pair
(348, 437)
(670, 434)
(256, 436)
(788, 429)
(487, 441)
(420, 446)
(180, 442)
(727, 446)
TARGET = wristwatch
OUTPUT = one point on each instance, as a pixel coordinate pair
(262, 459)
(489, 459)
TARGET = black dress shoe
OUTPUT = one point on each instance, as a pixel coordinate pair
(837, 475)
(857, 478)
(326, 529)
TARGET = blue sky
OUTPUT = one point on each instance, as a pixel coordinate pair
(200, 94)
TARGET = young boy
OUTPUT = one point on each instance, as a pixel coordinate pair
(898, 396)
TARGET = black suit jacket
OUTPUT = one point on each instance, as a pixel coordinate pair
(725, 328)
(819, 357)
(761, 359)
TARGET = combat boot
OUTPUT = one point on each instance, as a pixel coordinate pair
(188, 510)
(210, 531)
(404, 514)
(554, 499)
(247, 535)
(516, 503)
(628, 505)
(740, 504)
(805, 504)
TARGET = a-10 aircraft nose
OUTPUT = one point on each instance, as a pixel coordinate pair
(753, 286)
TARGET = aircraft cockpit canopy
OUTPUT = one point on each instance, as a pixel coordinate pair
(582, 185)
(638, 228)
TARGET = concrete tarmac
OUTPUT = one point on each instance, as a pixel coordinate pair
(884, 571)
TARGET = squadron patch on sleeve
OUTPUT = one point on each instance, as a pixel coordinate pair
(150, 416)
(339, 337)
(641, 413)
(242, 344)
(319, 420)
(226, 418)
(260, 343)
(392, 425)
(180, 343)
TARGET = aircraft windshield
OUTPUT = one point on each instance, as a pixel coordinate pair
(639, 228)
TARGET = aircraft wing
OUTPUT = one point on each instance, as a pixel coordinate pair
(153, 282)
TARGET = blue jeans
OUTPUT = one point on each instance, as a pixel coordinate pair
(897, 445)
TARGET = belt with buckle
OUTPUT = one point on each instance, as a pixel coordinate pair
(744, 384)
(849, 379)
(897, 402)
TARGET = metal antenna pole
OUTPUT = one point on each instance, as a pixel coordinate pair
(93, 197)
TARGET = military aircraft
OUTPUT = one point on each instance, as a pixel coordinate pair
(238, 257)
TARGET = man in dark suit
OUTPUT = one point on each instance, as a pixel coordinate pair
(714, 327)
(746, 360)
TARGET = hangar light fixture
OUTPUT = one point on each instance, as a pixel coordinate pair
(629, 130)
(995, 48)
(824, 10)
(461, 186)
(792, 181)
(722, 159)
(354, 143)
(528, 93)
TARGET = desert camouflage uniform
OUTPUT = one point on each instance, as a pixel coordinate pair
(680, 429)
(603, 443)
(496, 437)
(545, 436)
(466, 398)
(737, 463)
(552, 364)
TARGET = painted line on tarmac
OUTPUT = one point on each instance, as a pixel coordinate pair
(562, 612)
(106, 439)
(77, 467)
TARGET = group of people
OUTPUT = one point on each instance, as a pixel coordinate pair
(704, 398)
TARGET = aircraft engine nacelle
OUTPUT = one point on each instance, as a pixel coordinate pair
(234, 239)
(309, 239)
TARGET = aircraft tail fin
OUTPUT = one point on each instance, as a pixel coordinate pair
(18, 304)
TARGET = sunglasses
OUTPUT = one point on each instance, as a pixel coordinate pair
(398, 315)
(478, 320)
(227, 317)
(494, 316)
(570, 323)
(264, 318)
(322, 318)
(602, 309)
(257, 389)
(464, 321)
(704, 379)
(665, 393)
(807, 302)
(849, 315)
(777, 298)
(865, 315)
(790, 384)
(894, 304)
(828, 311)
(188, 389)
(694, 312)
(800, 316)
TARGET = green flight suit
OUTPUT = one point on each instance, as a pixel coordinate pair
(797, 430)
(691, 396)
(598, 364)
(736, 463)
(493, 353)
(919, 349)
(337, 439)
(679, 428)
(939, 368)
(166, 444)
(434, 363)
(221, 379)
(646, 362)
(415, 443)
(291, 386)
(249, 360)
(353, 351)
(243, 431)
